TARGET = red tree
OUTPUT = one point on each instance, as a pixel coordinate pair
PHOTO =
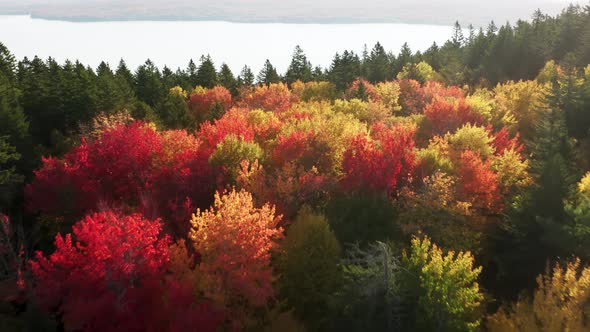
(502, 141)
(274, 97)
(366, 92)
(446, 115)
(206, 104)
(384, 162)
(411, 97)
(234, 122)
(433, 89)
(113, 278)
(161, 174)
(478, 183)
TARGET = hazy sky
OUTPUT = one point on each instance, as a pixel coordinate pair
(445, 12)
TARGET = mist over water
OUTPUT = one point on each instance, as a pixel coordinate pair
(174, 43)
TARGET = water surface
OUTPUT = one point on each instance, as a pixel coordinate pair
(174, 43)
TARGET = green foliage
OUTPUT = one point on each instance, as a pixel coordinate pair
(174, 112)
(300, 67)
(362, 218)
(268, 74)
(309, 269)
(206, 73)
(230, 152)
(474, 138)
(443, 286)
(421, 72)
(226, 79)
(371, 297)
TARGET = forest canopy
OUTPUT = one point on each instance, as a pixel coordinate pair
(446, 190)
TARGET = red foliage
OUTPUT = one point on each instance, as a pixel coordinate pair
(234, 122)
(207, 101)
(353, 90)
(113, 278)
(411, 97)
(446, 115)
(382, 163)
(432, 89)
(478, 183)
(132, 166)
(502, 141)
(290, 147)
(274, 97)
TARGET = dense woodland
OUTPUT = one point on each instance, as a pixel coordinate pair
(440, 191)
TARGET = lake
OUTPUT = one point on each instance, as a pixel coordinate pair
(174, 43)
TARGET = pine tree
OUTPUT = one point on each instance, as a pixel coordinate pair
(378, 66)
(191, 71)
(148, 84)
(226, 79)
(457, 39)
(108, 99)
(246, 77)
(344, 70)
(552, 153)
(268, 74)
(300, 68)
(404, 57)
(123, 73)
(206, 74)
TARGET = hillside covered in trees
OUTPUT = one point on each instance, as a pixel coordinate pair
(440, 191)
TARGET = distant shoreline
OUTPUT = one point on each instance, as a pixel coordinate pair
(79, 19)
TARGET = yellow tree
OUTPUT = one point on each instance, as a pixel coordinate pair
(560, 303)
(234, 240)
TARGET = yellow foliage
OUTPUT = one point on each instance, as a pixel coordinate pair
(178, 91)
(388, 94)
(560, 304)
(474, 138)
(584, 184)
(518, 106)
(482, 102)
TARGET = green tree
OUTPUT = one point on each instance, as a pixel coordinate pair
(371, 297)
(206, 74)
(362, 218)
(174, 112)
(268, 74)
(300, 68)
(344, 70)
(443, 288)
(226, 79)
(246, 77)
(378, 66)
(309, 269)
(148, 84)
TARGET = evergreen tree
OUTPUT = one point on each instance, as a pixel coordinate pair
(191, 71)
(148, 84)
(300, 68)
(206, 74)
(378, 66)
(344, 70)
(457, 38)
(107, 92)
(227, 79)
(268, 74)
(404, 57)
(174, 112)
(124, 74)
(246, 77)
